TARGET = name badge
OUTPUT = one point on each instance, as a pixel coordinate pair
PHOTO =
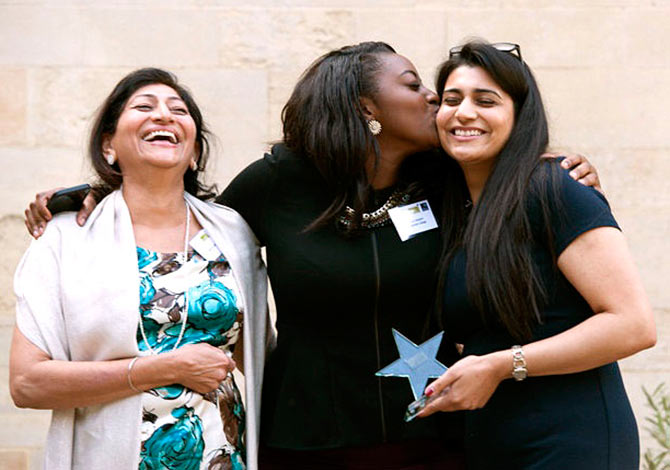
(412, 219)
(205, 246)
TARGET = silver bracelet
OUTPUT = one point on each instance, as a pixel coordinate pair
(519, 370)
(130, 381)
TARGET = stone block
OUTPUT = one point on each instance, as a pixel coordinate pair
(619, 108)
(634, 383)
(14, 240)
(24, 427)
(570, 36)
(13, 106)
(280, 86)
(29, 170)
(277, 37)
(5, 342)
(540, 4)
(235, 106)
(36, 458)
(6, 403)
(40, 34)
(11, 459)
(632, 178)
(654, 359)
(420, 35)
(137, 37)
(63, 101)
(647, 232)
(229, 4)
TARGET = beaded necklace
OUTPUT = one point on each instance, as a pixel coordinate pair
(183, 323)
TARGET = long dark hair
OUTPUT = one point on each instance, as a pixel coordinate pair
(502, 281)
(107, 118)
(323, 121)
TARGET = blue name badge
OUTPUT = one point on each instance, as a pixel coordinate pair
(412, 219)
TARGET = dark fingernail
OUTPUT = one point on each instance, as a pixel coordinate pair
(429, 391)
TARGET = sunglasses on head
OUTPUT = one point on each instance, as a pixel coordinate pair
(508, 47)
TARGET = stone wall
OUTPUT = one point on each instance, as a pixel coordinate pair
(603, 66)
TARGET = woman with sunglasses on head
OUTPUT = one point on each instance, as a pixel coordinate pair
(126, 327)
(358, 131)
(537, 283)
(359, 128)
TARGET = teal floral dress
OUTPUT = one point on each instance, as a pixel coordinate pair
(182, 429)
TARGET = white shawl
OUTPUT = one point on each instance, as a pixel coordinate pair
(78, 300)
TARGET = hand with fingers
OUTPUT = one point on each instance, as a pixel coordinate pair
(468, 384)
(37, 215)
(200, 367)
(580, 169)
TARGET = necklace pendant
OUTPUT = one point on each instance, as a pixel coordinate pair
(377, 218)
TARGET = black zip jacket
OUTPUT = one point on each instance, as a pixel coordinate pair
(337, 299)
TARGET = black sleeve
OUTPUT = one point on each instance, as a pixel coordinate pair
(573, 208)
(249, 194)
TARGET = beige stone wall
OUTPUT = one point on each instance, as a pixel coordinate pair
(603, 65)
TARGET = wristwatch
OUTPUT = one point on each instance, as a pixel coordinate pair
(519, 370)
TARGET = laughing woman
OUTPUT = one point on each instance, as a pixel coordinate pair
(356, 130)
(539, 285)
(126, 328)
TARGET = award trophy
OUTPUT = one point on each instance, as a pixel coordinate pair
(418, 364)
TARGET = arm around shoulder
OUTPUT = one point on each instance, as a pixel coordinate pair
(249, 191)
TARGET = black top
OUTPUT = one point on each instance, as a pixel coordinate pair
(575, 421)
(337, 299)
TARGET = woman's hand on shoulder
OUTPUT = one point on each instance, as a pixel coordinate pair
(468, 384)
(37, 215)
(580, 169)
(200, 367)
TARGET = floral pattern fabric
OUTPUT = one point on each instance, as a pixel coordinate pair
(182, 429)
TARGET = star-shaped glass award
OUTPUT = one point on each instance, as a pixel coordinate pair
(417, 363)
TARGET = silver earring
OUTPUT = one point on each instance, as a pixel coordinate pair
(110, 158)
(375, 127)
(194, 165)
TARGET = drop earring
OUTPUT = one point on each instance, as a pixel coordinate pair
(110, 158)
(194, 165)
(375, 127)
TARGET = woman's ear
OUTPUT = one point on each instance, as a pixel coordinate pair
(107, 145)
(107, 150)
(369, 108)
(197, 152)
(195, 160)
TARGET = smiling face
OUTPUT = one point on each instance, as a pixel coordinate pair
(155, 130)
(475, 118)
(404, 107)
